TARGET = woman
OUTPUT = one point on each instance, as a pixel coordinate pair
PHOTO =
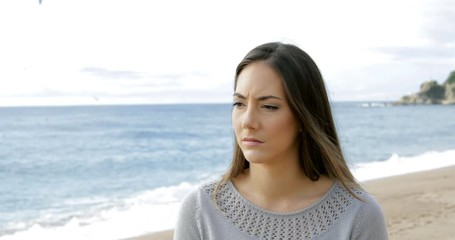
(288, 178)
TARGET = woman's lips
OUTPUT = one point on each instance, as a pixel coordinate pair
(249, 141)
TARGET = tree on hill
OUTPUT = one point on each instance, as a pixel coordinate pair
(451, 78)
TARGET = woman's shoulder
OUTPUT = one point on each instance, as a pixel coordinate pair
(196, 198)
(366, 200)
(204, 189)
(210, 186)
(370, 220)
(358, 197)
(352, 202)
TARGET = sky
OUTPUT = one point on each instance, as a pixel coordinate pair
(92, 52)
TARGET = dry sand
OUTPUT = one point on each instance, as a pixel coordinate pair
(417, 205)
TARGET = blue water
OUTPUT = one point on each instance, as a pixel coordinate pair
(375, 133)
(64, 163)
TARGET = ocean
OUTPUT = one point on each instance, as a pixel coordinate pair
(112, 172)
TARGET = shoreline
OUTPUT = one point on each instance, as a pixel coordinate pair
(418, 205)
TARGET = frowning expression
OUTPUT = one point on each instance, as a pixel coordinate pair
(265, 127)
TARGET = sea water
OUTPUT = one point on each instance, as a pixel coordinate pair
(112, 172)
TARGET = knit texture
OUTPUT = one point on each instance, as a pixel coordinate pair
(337, 215)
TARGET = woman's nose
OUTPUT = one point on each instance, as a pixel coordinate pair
(250, 120)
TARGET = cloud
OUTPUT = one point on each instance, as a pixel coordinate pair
(157, 52)
(437, 40)
(438, 26)
(112, 74)
(146, 78)
(425, 53)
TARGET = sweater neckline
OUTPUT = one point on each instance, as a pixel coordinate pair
(320, 201)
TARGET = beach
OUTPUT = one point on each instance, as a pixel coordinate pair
(416, 205)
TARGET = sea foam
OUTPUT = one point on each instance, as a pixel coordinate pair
(151, 211)
(397, 165)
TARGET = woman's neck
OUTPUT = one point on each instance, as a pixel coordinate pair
(280, 188)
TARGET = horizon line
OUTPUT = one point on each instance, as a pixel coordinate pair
(164, 103)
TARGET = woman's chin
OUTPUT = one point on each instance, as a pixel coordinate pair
(254, 159)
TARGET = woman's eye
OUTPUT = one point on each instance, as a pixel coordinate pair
(270, 107)
(237, 104)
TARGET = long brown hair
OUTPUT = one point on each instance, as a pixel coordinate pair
(320, 152)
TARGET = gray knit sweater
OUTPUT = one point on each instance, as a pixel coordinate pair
(337, 215)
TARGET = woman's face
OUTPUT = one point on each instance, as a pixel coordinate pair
(265, 127)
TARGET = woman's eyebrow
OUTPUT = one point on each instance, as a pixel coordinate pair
(261, 98)
(268, 97)
(238, 95)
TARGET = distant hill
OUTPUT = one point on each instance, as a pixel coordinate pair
(432, 93)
